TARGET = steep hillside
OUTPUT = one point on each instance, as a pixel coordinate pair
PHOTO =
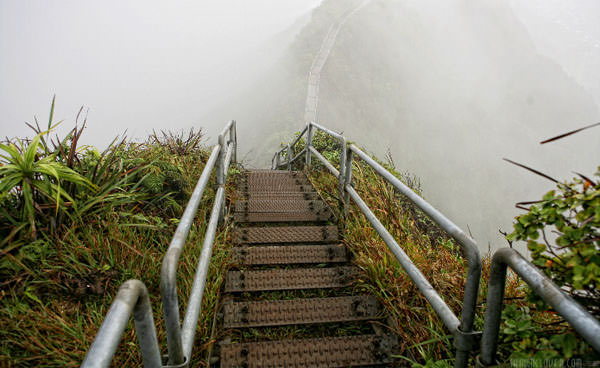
(449, 89)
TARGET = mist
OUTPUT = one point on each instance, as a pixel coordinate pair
(448, 88)
(135, 65)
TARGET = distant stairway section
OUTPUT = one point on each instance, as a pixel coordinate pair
(293, 278)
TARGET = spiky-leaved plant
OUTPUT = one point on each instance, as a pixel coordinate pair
(35, 180)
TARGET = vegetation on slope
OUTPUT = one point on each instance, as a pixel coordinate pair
(76, 222)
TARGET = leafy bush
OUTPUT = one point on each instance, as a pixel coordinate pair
(572, 214)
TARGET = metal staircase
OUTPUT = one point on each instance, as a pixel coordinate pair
(291, 269)
(283, 243)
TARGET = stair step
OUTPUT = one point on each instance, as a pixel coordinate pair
(285, 254)
(259, 173)
(343, 351)
(291, 279)
(275, 187)
(245, 217)
(279, 205)
(277, 195)
(285, 234)
(299, 311)
(281, 210)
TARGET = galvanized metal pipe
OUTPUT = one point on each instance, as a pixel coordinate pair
(328, 131)
(190, 322)
(468, 245)
(309, 137)
(347, 180)
(342, 176)
(168, 280)
(132, 297)
(582, 321)
(438, 304)
(225, 130)
(233, 138)
(221, 161)
(229, 158)
(299, 155)
(295, 141)
(327, 164)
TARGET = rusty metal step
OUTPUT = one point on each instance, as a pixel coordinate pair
(291, 279)
(277, 195)
(347, 351)
(279, 205)
(285, 234)
(267, 172)
(276, 187)
(255, 179)
(285, 254)
(299, 311)
(278, 210)
(283, 217)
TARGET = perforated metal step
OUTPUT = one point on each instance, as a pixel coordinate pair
(262, 173)
(279, 205)
(285, 234)
(243, 217)
(277, 195)
(276, 187)
(278, 210)
(285, 254)
(348, 351)
(303, 278)
(254, 180)
(299, 311)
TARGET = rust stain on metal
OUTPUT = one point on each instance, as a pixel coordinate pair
(346, 351)
(285, 254)
(285, 234)
(292, 279)
(299, 311)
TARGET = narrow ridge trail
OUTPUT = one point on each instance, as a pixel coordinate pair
(314, 75)
(290, 299)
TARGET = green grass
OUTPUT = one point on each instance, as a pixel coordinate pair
(62, 264)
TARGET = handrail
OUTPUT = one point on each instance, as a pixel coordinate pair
(131, 298)
(463, 329)
(180, 338)
(180, 345)
(582, 321)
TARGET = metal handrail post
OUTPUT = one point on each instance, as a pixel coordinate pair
(347, 180)
(309, 137)
(221, 161)
(221, 169)
(582, 321)
(342, 177)
(277, 161)
(233, 138)
(132, 297)
(289, 160)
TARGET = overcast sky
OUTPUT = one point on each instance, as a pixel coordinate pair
(135, 64)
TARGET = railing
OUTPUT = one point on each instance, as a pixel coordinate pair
(581, 320)
(133, 296)
(463, 328)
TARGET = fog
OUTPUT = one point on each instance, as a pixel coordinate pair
(136, 65)
(449, 88)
